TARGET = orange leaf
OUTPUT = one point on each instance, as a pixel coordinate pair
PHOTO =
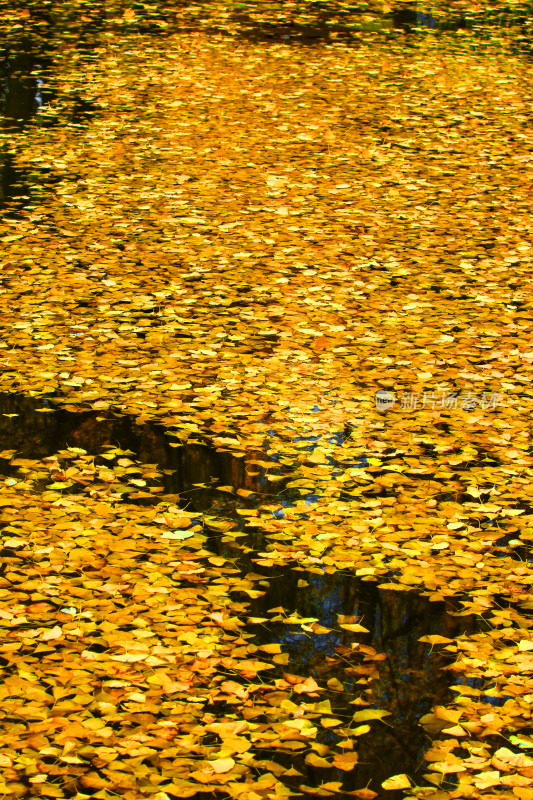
(345, 761)
(320, 344)
(309, 685)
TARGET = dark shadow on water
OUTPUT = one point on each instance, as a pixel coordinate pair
(412, 17)
(18, 104)
(319, 23)
(22, 95)
(39, 429)
(14, 183)
(20, 88)
(408, 681)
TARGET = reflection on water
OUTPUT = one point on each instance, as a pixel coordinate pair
(18, 103)
(20, 88)
(22, 96)
(38, 430)
(13, 183)
(411, 678)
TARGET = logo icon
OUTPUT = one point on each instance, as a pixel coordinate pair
(384, 399)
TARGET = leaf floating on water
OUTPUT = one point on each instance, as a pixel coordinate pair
(222, 765)
(329, 311)
(435, 639)
(397, 782)
(177, 535)
(330, 722)
(345, 761)
(370, 713)
(54, 633)
(354, 627)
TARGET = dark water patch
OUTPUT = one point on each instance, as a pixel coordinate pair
(301, 23)
(37, 428)
(417, 17)
(386, 668)
(22, 95)
(20, 90)
(319, 23)
(14, 183)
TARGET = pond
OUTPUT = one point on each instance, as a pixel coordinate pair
(140, 526)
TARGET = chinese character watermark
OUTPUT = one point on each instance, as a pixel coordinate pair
(443, 401)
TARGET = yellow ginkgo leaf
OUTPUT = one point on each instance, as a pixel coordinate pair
(396, 782)
(221, 765)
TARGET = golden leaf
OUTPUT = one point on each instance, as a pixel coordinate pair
(396, 782)
(222, 765)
